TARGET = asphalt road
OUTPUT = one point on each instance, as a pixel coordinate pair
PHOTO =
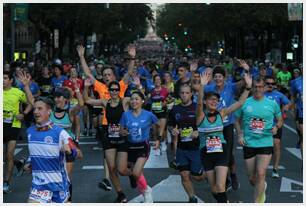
(165, 181)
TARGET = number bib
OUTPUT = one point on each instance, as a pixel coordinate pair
(157, 106)
(43, 196)
(46, 88)
(186, 134)
(214, 144)
(257, 125)
(8, 117)
(113, 131)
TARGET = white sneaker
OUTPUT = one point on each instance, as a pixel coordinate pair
(148, 198)
(157, 152)
(262, 197)
(163, 146)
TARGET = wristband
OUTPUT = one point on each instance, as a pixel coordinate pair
(248, 89)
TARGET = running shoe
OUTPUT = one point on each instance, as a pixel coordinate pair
(275, 173)
(133, 181)
(19, 166)
(235, 183)
(121, 198)
(228, 185)
(173, 164)
(262, 197)
(193, 199)
(85, 132)
(148, 198)
(105, 185)
(157, 152)
(163, 146)
(6, 187)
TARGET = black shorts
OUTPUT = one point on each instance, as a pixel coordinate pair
(110, 143)
(212, 160)
(228, 133)
(10, 133)
(278, 134)
(137, 150)
(102, 133)
(249, 152)
(95, 111)
(160, 115)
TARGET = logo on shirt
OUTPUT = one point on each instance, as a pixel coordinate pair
(249, 109)
(48, 140)
(177, 116)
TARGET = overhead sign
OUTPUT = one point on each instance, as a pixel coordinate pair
(295, 12)
(21, 12)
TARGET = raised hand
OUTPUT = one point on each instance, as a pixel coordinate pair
(194, 66)
(205, 78)
(132, 50)
(87, 82)
(248, 79)
(24, 78)
(81, 50)
(243, 64)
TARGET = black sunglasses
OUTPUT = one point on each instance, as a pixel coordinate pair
(114, 89)
(268, 83)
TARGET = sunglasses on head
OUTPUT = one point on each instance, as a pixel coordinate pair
(114, 89)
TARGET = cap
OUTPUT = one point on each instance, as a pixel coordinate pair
(62, 92)
(210, 94)
(296, 70)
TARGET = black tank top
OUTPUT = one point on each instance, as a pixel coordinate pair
(113, 116)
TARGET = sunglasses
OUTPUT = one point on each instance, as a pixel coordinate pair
(114, 89)
(269, 83)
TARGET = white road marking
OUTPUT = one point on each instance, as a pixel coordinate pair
(17, 150)
(93, 167)
(97, 148)
(290, 128)
(81, 143)
(286, 185)
(157, 161)
(296, 152)
(173, 184)
(280, 167)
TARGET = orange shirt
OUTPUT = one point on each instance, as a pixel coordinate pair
(102, 89)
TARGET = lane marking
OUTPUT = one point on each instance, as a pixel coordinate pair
(290, 128)
(296, 152)
(93, 167)
(280, 167)
(17, 150)
(286, 185)
(160, 194)
(97, 148)
(157, 161)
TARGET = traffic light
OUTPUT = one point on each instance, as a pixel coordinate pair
(185, 31)
(295, 42)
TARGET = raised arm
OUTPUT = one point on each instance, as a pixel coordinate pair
(81, 52)
(247, 78)
(132, 54)
(205, 78)
(89, 100)
(25, 80)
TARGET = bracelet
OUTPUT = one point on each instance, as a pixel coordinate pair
(248, 89)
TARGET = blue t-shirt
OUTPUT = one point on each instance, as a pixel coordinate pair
(138, 126)
(227, 96)
(278, 97)
(297, 89)
(57, 83)
(33, 87)
(48, 159)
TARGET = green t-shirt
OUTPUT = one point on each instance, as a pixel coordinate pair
(11, 101)
(283, 78)
(257, 121)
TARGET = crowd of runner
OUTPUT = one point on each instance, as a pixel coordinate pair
(195, 106)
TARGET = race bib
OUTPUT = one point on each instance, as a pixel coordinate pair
(46, 88)
(42, 196)
(257, 125)
(8, 117)
(186, 134)
(157, 106)
(113, 131)
(214, 144)
(73, 102)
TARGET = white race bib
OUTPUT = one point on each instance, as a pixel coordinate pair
(214, 144)
(43, 196)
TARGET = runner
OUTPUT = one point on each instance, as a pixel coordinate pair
(283, 102)
(182, 124)
(114, 145)
(49, 147)
(136, 123)
(213, 147)
(12, 100)
(257, 114)
(58, 80)
(102, 89)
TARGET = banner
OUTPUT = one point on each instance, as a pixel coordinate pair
(295, 12)
(21, 12)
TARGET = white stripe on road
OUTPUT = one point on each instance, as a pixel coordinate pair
(290, 128)
(157, 161)
(22, 144)
(286, 185)
(97, 148)
(93, 167)
(17, 150)
(81, 143)
(280, 167)
(296, 152)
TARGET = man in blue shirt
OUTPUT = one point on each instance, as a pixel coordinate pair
(284, 103)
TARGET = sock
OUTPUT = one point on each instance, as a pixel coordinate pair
(141, 184)
(221, 197)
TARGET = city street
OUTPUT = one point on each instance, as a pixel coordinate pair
(165, 181)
